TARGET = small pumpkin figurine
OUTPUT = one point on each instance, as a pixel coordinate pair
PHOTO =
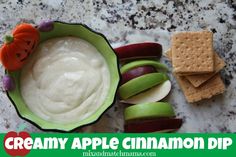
(19, 46)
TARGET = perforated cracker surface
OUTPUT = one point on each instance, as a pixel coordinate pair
(212, 87)
(192, 52)
(199, 79)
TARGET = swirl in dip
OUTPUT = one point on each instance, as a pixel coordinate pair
(65, 80)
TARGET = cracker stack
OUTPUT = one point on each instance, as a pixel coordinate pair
(196, 65)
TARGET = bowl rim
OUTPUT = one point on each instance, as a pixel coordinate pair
(100, 115)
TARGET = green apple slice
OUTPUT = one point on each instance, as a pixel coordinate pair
(138, 63)
(149, 110)
(141, 84)
(154, 94)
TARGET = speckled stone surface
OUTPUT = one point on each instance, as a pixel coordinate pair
(129, 21)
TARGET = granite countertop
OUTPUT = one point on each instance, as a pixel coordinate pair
(129, 21)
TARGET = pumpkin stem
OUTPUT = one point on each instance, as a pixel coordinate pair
(8, 39)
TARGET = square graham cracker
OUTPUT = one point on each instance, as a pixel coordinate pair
(192, 52)
(199, 79)
(212, 87)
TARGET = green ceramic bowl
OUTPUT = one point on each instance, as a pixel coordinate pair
(100, 42)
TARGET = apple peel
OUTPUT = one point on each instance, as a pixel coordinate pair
(148, 111)
(138, 63)
(154, 125)
(154, 94)
(141, 84)
(136, 72)
(139, 50)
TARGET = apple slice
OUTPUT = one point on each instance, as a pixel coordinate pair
(165, 131)
(139, 50)
(154, 94)
(148, 110)
(154, 125)
(136, 72)
(140, 84)
(139, 63)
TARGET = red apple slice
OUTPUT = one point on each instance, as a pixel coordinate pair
(139, 50)
(154, 94)
(136, 72)
(154, 125)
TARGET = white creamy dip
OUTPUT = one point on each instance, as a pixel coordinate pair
(65, 80)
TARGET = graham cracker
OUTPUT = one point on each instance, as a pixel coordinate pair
(197, 80)
(192, 52)
(168, 54)
(212, 87)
